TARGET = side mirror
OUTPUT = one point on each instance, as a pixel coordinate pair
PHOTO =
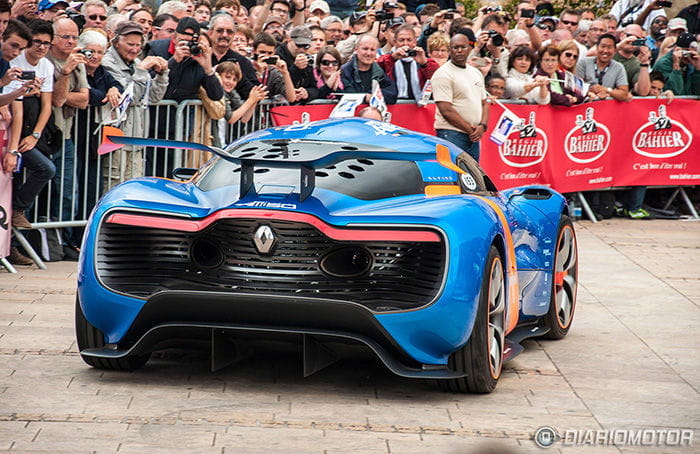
(184, 173)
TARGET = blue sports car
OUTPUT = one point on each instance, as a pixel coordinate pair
(330, 234)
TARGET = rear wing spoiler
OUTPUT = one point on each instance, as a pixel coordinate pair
(305, 155)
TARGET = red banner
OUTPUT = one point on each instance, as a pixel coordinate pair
(591, 146)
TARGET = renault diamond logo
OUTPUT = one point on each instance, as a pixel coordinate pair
(264, 239)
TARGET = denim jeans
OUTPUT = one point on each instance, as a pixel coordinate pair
(39, 171)
(461, 139)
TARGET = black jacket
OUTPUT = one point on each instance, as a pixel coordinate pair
(99, 83)
(302, 78)
(185, 77)
(352, 82)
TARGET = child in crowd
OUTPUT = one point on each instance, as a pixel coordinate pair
(236, 109)
(496, 86)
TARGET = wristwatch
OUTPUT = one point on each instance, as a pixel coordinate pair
(15, 152)
(36, 135)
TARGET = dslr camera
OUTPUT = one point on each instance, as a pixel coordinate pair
(194, 45)
(495, 37)
(383, 15)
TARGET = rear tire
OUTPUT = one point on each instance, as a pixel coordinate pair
(481, 359)
(90, 337)
(564, 283)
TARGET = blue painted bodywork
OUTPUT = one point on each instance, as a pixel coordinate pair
(469, 224)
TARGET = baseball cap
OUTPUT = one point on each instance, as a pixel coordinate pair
(320, 4)
(128, 27)
(273, 20)
(301, 35)
(678, 23)
(395, 22)
(188, 22)
(46, 4)
(551, 19)
(356, 16)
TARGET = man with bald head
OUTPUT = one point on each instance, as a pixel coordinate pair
(70, 92)
(362, 68)
(460, 95)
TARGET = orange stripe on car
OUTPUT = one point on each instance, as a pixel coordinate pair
(511, 268)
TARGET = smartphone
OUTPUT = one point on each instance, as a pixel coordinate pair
(527, 13)
(639, 42)
(270, 60)
(449, 16)
(27, 75)
(665, 4)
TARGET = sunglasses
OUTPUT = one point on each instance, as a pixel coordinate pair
(221, 31)
(97, 16)
(303, 46)
(546, 27)
(329, 63)
(569, 22)
(570, 55)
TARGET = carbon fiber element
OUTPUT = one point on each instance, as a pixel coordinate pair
(141, 261)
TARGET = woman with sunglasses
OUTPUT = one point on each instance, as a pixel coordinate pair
(568, 58)
(327, 72)
(549, 67)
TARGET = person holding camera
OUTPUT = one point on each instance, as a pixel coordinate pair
(31, 115)
(607, 78)
(70, 92)
(189, 62)
(635, 56)
(681, 67)
(122, 62)
(272, 72)
(640, 12)
(489, 44)
(295, 52)
(407, 64)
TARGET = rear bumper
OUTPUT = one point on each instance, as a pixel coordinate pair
(191, 314)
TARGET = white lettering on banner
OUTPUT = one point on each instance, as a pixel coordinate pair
(587, 144)
(663, 140)
(520, 149)
(519, 175)
(584, 171)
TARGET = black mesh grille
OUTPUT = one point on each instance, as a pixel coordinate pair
(141, 261)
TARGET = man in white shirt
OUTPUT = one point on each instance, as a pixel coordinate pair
(36, 108)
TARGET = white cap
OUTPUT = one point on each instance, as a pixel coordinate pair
(678, 23)
(320, 4)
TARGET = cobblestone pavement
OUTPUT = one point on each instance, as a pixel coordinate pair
(630, 362)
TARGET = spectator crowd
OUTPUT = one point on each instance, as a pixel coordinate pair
(69, 67)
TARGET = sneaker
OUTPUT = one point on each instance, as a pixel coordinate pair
(639, 213)
(621, 212)
(17, 258)
(20, 221)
